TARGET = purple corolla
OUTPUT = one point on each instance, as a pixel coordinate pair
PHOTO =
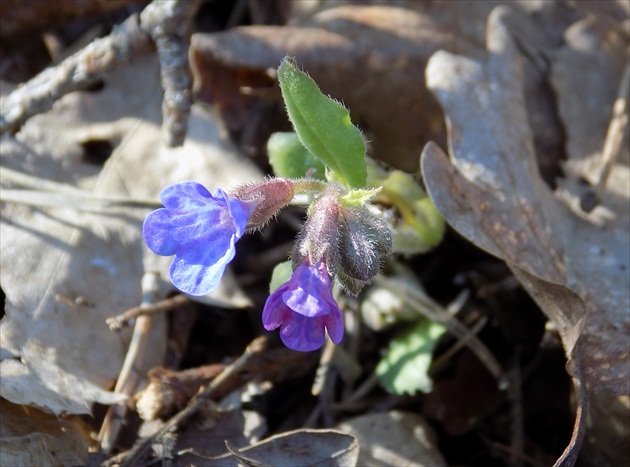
(200, 229)
(304, 308)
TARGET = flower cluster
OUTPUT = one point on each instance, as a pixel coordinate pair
(341, 242)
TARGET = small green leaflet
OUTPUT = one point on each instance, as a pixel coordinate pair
(404, 368)
(323, 125)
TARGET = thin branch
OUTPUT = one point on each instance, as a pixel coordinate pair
(132, 456)
(163, 22)
(122, 320)
(130, 372)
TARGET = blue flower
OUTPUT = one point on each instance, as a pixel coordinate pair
(200, 229)
(303, 308)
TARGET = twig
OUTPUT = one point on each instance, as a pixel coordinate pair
(14, 177)
(122, 320)
(132, 456)
(168, 27)
(129, 376)
(515, 397)
(163, 21)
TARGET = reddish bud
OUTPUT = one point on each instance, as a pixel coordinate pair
(269, 196)
(318, 239)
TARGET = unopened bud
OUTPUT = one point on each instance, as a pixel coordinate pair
(318, 239)
(364, 242)
(269, 196)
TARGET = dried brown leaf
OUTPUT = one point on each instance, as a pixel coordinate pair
(305, 447)
(65, 271)
(204, 436)
(492, 193)
(31, 437)
(394, 438)
(599, 48)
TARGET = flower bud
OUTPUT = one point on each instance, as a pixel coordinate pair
(268, 196)
(364, 242)
(318, 239)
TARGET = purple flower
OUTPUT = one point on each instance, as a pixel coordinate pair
(200, 229)
(303, 308)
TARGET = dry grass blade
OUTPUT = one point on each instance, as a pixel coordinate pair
(431, 310)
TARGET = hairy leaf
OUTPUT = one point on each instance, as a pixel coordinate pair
(323, 125)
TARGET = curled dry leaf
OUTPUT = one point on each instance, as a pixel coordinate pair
(593, 105)
(169, 391)
(598, 47)
(306, 447)
(31, 437)
(394, 438)
(492, 193)
(65, 271)
(204, 436)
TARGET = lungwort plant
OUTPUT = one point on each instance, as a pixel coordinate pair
(345, 238)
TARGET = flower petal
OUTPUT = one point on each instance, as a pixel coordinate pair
(185, 196)
(200, 229)
(301, 333)
(239, 212)
(199, 271)
(274, 311)
(308, 292)
(334, 325)
(156, 230)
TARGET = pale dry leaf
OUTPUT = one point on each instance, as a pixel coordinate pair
(511, 213)
(31, 437)
(304, 447)
(66, 271)
(394, 438)
(205, 435)
(493, 194)
(599, 47)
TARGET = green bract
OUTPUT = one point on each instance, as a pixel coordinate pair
(404, 368)
(323, 125)
(290, 159)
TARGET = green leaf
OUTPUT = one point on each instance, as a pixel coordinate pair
(323, 125)
(421, 225)
(290, 159)
(405, 366)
